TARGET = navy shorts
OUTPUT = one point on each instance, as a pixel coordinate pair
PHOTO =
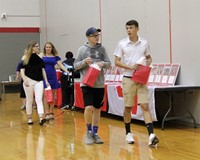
(93, 96)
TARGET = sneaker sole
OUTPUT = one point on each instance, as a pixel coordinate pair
(98, 142)
(154, 142)
(130, 142)
(66, 107)
(89, 143)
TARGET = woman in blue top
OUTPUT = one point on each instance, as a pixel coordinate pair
(51, 58)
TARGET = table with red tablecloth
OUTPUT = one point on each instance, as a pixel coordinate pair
(78, 97)
(113, 101)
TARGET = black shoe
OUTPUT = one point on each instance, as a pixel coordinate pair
(42, 121)
(73, 108)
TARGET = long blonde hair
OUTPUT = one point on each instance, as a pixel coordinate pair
(53, 51)
(27, 56)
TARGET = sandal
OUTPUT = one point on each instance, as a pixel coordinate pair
(47, 117)
(51, 116)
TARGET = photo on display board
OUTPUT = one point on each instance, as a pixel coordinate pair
(173, 74)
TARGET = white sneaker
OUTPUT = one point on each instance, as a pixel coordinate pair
(129, 138)
(153, 140)
(30, 122)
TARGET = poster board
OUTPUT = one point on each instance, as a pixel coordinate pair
(158, 75)
(152, 75)
(163, 74)
(173, 74)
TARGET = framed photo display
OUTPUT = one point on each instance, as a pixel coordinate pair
(163, 74)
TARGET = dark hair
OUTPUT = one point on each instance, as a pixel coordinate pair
(132, 22)
(69, 54)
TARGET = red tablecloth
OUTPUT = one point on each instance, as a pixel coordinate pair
(78, 98)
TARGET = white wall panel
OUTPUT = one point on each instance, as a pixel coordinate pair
(20, 13)
(153, 20)
(66, 23)
(186, 33)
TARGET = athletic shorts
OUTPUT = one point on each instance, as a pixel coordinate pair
(93, 96)
(130, 89)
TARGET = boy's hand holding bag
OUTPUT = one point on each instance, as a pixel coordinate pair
(142, 74)
(91, 75)
(49, 94)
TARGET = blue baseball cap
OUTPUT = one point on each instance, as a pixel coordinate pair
(92, 30)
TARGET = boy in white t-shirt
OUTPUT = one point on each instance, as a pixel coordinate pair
(127, 53)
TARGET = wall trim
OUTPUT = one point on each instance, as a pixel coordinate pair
(19, 29)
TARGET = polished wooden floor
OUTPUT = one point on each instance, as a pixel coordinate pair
(62, 139)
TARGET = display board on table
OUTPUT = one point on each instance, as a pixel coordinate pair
(163, 74)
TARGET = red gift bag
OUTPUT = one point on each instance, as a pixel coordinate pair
(91, 75)
(49, 94)
(58, 101)
(58, 74)
(142, 74)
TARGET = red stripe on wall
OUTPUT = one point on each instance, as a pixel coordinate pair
(170, 31)
(20, 30)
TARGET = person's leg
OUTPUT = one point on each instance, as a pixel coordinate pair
(24, 101)
(88, 121)
(129, 91)
(146, 113)
(34, 103)
(72, 98)
(39, 90)
(96, 119)
(127, 119)
(88, 117)
(98, 102)
(64, 87)
(88, 112)
(22, 95)
(143, 100)
(51, 106)
(29, 100)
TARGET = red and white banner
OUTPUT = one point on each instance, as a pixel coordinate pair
(116, 103)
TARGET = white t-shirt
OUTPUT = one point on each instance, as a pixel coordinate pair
(131, 52)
